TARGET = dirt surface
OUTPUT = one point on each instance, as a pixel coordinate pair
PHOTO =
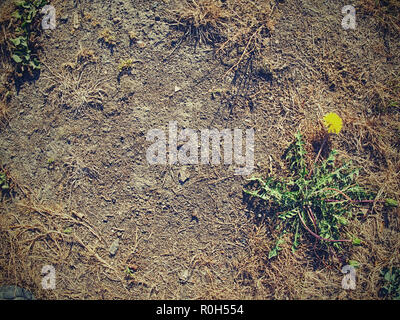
(75, 147)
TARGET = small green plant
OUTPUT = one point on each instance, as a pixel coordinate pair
(391, 287)
(4, 182)
(316, 202)
(354, 263)
(51, 163)
(21, 51)
(129, 272)
(125, 65)
(68, 230)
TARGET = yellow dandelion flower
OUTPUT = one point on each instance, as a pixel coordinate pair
(333, 122)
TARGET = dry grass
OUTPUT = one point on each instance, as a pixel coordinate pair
(74, 86)
(240, 30)
(3, 112)
(107, 37)
(385, 12)
(33, 235)
(200, 20)
(5, 91)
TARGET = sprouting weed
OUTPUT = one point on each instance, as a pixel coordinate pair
(107, 37)
(125, 65)
(4, 184)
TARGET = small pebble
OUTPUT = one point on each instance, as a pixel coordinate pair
(141, 44)
(184, 277)
(114, 247)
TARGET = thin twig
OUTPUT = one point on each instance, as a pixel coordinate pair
(342, 193)
(244, 51)
(312, 217)
(317, 236)
(355, 201)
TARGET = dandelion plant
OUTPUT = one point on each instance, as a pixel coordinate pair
(315, 200)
